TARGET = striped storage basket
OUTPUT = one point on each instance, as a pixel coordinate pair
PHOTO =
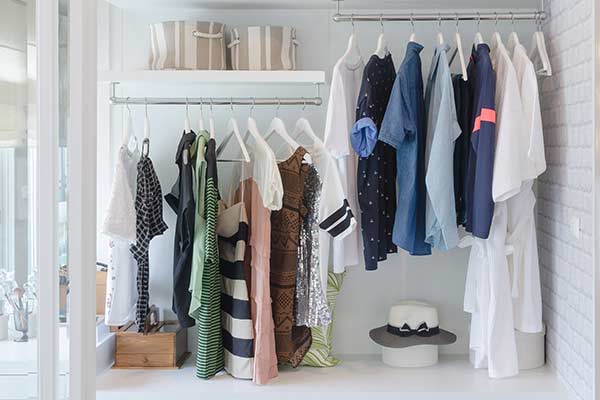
(263, 48)
(187, 45)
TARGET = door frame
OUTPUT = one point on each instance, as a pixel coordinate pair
(596, 199)
(46, 22)
(82, 145)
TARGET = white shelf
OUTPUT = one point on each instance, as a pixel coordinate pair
(357, 377)
(197, 76)
(324, 4)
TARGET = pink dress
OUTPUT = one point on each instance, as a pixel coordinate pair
(257, 260)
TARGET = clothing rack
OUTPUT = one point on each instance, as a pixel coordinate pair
(218, 101)
(537, 16)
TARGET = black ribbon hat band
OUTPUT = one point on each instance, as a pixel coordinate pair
(404, 331)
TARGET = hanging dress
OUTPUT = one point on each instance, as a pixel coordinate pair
(291, 341)
(311, 304)
(119, 225)
(181, 200)
(149, 223)
(236, 318)
(261, 190)
(209, 355)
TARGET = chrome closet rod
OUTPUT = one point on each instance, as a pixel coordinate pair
(218, 101)
(487, 16)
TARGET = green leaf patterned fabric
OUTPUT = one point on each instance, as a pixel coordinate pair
(320, 352)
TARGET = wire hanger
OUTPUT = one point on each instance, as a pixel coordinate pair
(382, 49)
(413, 35)
(538, 50)
(513, 39)
(478, 36)
(353, 42)
(277, 126)
(201, 118)
(186, 124)
(461, 55)
(440, 35)
(233, 130)
(146, 141)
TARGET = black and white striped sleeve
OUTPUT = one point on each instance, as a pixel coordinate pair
(335, 214)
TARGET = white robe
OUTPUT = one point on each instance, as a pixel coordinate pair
(524, 263)
(487, 298)
(488, 294)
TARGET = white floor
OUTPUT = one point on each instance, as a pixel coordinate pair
(356, 377)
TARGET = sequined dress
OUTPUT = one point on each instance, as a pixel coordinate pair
(311, 305)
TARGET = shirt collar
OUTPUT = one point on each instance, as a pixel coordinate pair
(414, 47)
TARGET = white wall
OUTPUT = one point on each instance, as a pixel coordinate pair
(366, 296)
(565, 194)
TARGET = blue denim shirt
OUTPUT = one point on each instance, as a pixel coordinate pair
(442, 131)
(403, 128)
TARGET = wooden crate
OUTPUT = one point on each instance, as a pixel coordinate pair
(165, 347)
(100, 292)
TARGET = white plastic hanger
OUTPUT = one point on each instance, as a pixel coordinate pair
(211, 121)
(413, 36)
(146, 141)
(496, 40)
(128, 132)
(478, 36)
(513, 39)
(277, 126)
(538, 50)
(252, 127)
(461, 55)
(440, 35)
(186, 123)
(303, 126)
(201, 118)
(382, 50)
(233, 130)
(352, 43)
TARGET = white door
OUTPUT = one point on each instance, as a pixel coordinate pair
(43, 259)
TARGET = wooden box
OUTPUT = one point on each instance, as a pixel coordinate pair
(100, 292)
(164, 347)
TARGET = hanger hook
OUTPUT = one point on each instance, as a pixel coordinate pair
(456, 20)
(211, 105)
(187, 105)
(303, 104)
(440, 21)
(201, 107)
(512, 18)
(146, 106)
(412, 22)
(478, 19)
(496, 19)
(231, 104)
(127, 104)
(252, 106)
(352, 21)
(278, 107)
(381, 22)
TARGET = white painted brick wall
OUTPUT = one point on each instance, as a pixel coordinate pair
(565, 192)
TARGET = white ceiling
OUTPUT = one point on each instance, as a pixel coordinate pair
(329, 4)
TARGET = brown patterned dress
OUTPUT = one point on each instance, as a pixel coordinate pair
(291, 341)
